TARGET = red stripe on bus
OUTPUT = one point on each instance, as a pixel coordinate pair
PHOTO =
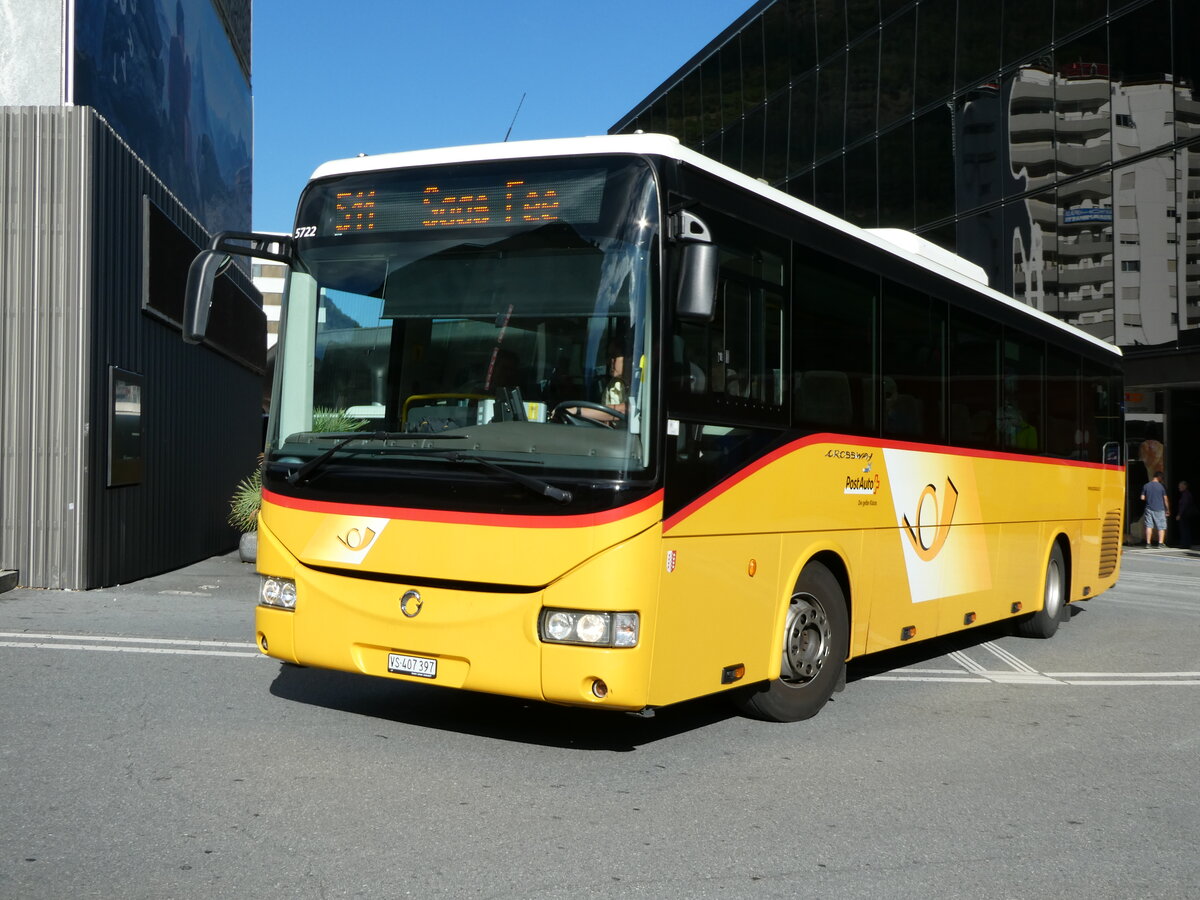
(504, 520)
(845, 439)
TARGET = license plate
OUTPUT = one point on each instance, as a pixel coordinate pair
(412, 665)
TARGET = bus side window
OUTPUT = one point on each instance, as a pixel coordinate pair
(835, 329)
(733, 366)
(1022, 426)
(1062, 406)
(1101, 415)
(973, 367)
(913, 341)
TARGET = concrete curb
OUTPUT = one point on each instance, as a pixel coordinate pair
(8, 580)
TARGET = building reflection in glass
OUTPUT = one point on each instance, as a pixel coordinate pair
(1067, 173)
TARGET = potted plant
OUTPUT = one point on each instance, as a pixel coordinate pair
(243, 514)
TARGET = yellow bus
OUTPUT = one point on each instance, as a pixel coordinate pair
(601, 422)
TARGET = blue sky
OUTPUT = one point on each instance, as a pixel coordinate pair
(335, 79)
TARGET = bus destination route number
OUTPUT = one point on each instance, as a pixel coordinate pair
(468, 202)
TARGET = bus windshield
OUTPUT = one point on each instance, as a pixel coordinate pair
(500, 309)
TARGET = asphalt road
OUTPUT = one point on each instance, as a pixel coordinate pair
(148, 751)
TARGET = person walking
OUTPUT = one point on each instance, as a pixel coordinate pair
(1158, 507)
(1185, 515)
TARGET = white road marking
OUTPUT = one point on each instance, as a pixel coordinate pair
(123, 640)
(1021, 672)
(1010, 659)
(913, 676)
(113, 644)
(971, 671)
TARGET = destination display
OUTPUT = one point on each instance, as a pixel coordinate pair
(470, 202)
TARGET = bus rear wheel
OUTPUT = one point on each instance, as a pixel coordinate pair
(1044, 622)
(816, 638)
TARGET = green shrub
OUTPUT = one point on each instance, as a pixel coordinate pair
(245, 503)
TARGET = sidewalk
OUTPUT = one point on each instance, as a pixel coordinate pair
(197, 580)
(1173, 552)
(210, 600)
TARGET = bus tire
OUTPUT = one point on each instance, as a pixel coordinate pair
(816, 639)
(1044, 622)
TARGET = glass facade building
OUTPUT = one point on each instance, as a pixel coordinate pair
(1056, 143)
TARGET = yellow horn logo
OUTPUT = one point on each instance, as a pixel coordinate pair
(937, 533)
(355, 539)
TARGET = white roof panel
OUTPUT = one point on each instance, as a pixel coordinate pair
(894, 241)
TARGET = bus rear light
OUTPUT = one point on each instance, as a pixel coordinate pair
(277, 592)
(592, 629)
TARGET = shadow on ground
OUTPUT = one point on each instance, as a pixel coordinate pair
(486, 715)
(525, 721)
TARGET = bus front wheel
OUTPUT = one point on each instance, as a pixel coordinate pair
(1044, 622)
(816, 639)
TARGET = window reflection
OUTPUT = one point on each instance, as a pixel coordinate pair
(979, 136)
(1082, 105)
(1085, 253)
(1032, 158)
(1030, 124)
(1031, 234)
(1147, 251)
(1142, 88)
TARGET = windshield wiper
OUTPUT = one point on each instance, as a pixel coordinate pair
(537, 485)
(534, 484)
(306, 470)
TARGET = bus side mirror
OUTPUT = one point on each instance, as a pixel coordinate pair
(197, 299)
(209, 265)
(696, 300)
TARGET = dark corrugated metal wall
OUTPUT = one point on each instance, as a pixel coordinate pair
(202, 422)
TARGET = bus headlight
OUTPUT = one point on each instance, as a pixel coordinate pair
(277, 592)
(592, 629)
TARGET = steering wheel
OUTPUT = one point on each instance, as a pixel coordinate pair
(559, 413)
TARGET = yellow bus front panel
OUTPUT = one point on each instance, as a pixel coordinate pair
(484, 640)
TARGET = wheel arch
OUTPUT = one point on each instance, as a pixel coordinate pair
(838, 568)
(833, 560)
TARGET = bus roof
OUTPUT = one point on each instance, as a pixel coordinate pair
(893, 241)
